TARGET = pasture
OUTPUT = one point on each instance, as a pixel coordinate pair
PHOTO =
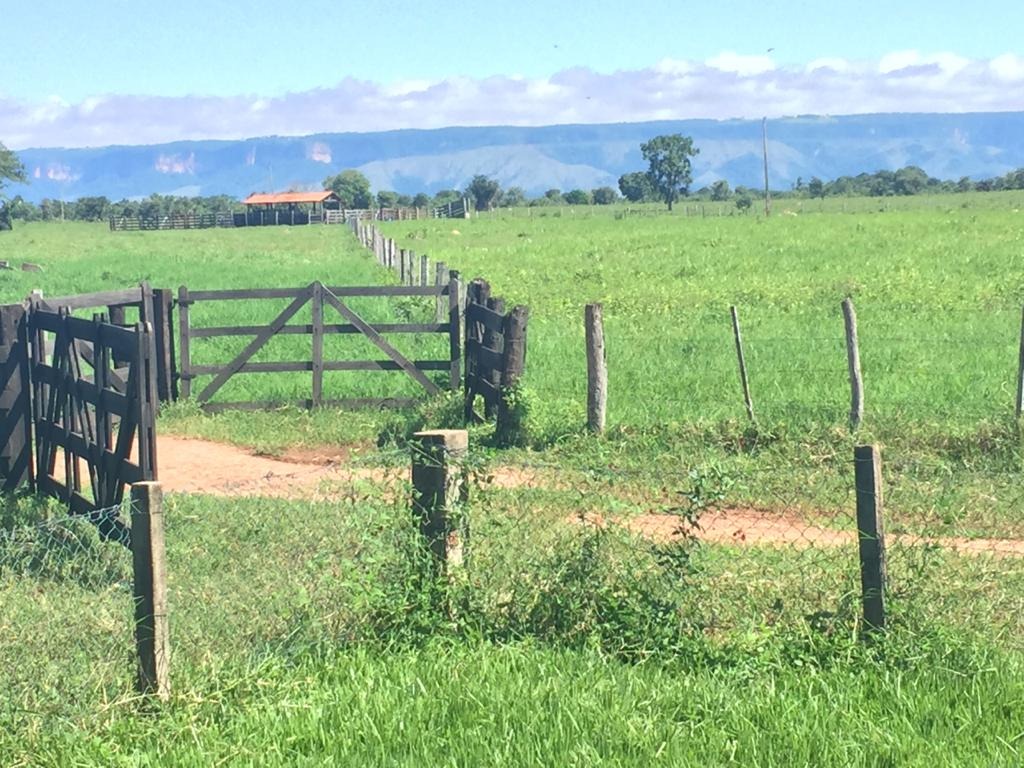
(303, 628)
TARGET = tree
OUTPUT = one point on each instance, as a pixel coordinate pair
(669, 170)
(635, 187)
(11, 168)
(387, 199)
(483, 191)
(92, 208)
(910, 181)
(422, 200)
(352, 187)
(513, 197)
(604, 196)
(577, 197)
(720, 191)
(446, 196)
(554, 196)
(816, 187)
(743, 203)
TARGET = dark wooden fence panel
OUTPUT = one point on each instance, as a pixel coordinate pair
(176, 221)
(495, 350)
(153, 306)
(86, 412)
(459, 209)
(15, 399)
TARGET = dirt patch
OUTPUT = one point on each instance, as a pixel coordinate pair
(200, 466)
(763, 527)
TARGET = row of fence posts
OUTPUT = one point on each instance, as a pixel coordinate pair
(410, 268)
(438, 496)
(436, 505)
(438, 510)
(867, 462)
(597, 372)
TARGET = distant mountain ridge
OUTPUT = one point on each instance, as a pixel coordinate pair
(948, 146)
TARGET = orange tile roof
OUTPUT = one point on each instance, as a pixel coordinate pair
(277, 198)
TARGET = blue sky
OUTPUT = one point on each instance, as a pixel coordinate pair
(111, 70)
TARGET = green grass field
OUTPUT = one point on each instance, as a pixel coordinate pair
(305, 632)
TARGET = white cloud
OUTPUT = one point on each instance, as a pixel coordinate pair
(674, 67)
(729, 85)
(728, 61)
(1008, 67)
(833, 63)
(897, 60)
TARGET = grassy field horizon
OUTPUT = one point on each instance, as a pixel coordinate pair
(312, 629)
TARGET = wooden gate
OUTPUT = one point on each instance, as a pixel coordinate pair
(88, 409)
(320, 297)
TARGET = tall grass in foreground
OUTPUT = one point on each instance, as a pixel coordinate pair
(307, 631)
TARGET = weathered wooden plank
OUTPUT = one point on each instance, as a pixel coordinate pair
(318, 344)
(89, 392)
(381, 343)
(871, 535)
(510, 428)
(853, 365)
(302, 366)
(149, 589)
(487, 359)
(350, 403)
(184, 345)
(477, 293)
(300, 330)
(455, 334)
(146, 397)
(74, 444)
(255, 345)
(91, 300)
(485, 316)
(289, 293)
(120, 340)
(597, 368)
(494, 340)
(15, 399)
(163, 329)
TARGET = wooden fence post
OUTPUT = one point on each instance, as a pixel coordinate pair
(317, 302)
(494, 340)
(853, 364)
(152, 637)
(597, 369)
(871, 535)
(509, 430)
(402, 273)
(1019, 405)
(163, 328)
(477, 292)
(424, 270)
(440, 280)
(742, 362)
(185, 374)
(455, 340)
(15, 399)
(437, 492)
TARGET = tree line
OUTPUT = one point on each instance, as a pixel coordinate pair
(667, 179)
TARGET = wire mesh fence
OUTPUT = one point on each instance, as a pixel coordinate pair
(640, 561)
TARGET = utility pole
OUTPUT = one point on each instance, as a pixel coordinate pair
(764, 140)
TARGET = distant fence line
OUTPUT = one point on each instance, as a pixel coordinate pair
(458, 209)
(262, 218)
